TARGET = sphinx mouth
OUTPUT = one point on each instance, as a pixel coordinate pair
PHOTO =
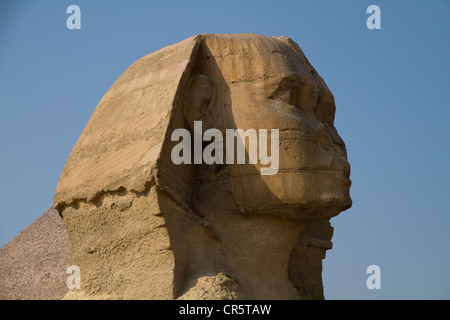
(341, 175)
(338, 165)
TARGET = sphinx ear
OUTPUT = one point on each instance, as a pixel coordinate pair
(200, 98)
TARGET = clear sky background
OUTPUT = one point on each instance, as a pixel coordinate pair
(392, 95)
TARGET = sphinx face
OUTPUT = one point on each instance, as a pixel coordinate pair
(272, 86)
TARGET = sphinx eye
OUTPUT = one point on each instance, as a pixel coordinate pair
(287, 91)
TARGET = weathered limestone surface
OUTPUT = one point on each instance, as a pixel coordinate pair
(142, 227)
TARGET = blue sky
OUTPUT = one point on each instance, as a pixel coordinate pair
(391, 88)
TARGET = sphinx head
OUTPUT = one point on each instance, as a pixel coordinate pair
(127, 204)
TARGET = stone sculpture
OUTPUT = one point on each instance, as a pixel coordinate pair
(143, 227)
